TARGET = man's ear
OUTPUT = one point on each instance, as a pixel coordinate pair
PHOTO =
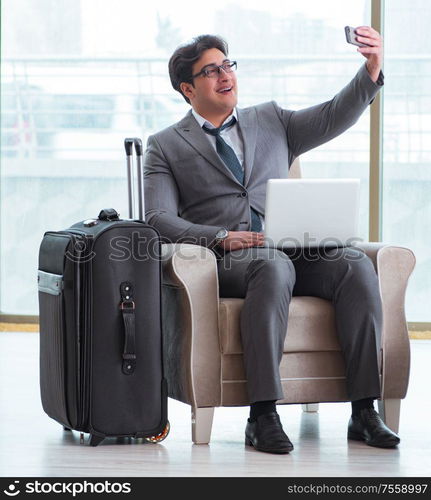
(187, 89)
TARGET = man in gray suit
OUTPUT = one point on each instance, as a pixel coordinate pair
(205, 183)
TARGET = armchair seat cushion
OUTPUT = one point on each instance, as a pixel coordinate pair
(311, 326)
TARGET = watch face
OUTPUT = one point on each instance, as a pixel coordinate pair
(222, 234)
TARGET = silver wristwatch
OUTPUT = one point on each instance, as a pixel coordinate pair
(221, 235)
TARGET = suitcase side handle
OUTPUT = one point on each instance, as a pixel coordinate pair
(127, 307)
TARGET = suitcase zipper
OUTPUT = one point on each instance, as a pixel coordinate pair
(86, 348)
(83, 325)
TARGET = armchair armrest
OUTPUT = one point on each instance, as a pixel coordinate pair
(394, 265)
(191, 340)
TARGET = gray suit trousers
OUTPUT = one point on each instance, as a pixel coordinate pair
(267, 278)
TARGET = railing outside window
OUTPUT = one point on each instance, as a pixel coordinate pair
(64, 121)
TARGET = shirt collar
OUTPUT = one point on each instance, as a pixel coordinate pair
(202, 121)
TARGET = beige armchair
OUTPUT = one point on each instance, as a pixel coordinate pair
(202, 343)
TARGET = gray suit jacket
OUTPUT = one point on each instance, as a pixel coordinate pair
(190, 193)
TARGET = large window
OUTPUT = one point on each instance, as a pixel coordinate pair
(79, 78)
(406, 143)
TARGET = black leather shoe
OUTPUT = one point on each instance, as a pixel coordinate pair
(266, 434)
(369, 427)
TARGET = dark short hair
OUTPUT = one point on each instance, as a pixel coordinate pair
(185, 56)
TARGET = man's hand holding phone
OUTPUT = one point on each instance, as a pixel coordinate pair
(370, 45)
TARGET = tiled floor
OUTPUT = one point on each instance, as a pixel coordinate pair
(31, 444)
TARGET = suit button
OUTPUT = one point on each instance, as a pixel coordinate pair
(244, 194)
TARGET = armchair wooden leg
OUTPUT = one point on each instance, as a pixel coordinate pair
(389, 410)
(310, 407)
(202, 421)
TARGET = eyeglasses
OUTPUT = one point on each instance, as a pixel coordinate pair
(213, 71)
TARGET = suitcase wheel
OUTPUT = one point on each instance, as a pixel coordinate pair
(95, 440)
(160, 437)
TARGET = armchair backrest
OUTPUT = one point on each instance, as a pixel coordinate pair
(295, 170)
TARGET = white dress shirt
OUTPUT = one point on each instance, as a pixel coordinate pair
(230, 135)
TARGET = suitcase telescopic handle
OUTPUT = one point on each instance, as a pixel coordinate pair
(135, 143)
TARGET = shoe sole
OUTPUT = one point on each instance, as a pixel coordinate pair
(282, 451)
(360, 437)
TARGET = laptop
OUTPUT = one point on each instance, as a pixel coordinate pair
(302, 213)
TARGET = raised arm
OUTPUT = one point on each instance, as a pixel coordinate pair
(310, 127)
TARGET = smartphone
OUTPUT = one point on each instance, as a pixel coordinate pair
(351, 37)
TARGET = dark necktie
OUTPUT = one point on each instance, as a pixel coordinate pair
(227, 154)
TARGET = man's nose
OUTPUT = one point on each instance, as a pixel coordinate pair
(223, 74)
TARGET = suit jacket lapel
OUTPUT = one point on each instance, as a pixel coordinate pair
(248, 127)
(191, 132)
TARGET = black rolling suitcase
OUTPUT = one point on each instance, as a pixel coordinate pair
(101, 368)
